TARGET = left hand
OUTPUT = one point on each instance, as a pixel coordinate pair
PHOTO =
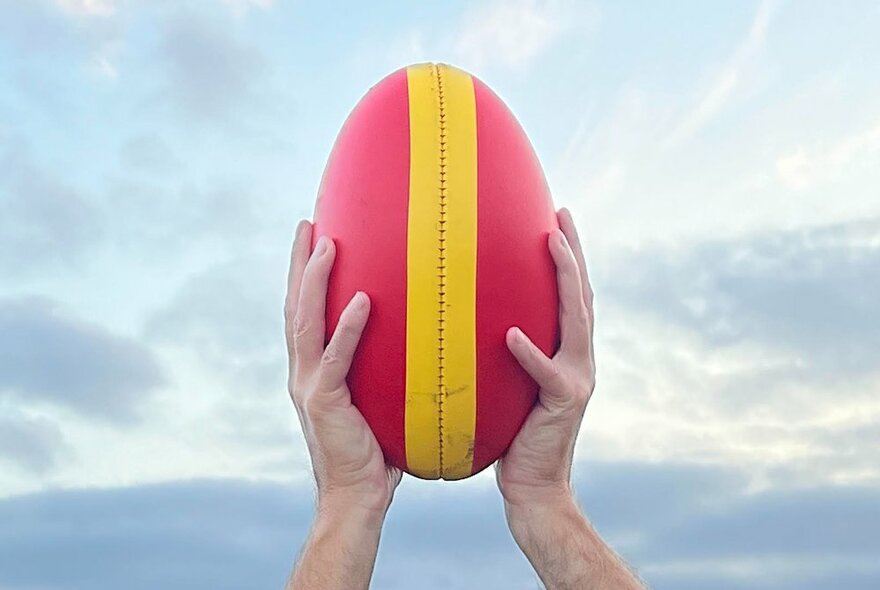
(349, 467)
(536, 470)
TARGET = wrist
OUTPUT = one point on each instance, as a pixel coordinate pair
(351, 510)
(549, 495)
(341, 549)
(532, 519)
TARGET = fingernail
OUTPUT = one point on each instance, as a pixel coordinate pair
(321, 246)
(560, 237)
(360, 299)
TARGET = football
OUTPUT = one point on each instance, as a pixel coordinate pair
(440, 212)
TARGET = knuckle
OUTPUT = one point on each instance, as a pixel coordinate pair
(289, 311)
(307, 405)
(313, 405)
(584, 385)
(297, 395)
(582, 393)
(289, 317)
(332, 356)
(301, 327)
(296, 387)
(589, 296)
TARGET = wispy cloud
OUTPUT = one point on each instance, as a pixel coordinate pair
(242, 6)
(88, 7)
(728, 78)
(504, 35)
(509, 34)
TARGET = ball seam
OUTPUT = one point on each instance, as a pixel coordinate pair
(436, 70)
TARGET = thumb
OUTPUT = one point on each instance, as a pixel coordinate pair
(538, 365)
(337, 358)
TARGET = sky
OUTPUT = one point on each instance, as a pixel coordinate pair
(722, 162)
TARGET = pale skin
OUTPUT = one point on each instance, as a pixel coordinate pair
(355, 486)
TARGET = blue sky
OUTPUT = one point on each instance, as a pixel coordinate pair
(721, 159)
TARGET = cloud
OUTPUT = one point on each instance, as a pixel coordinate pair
(158, 216)
(728, 78)
(811, 292)
(149, 152)
(31, 443)
(87, 7)
(208, 72)
(43, 220)
(759, 168)
(682, 526)
(758, 352)
(796, 170)
(805, 168)
(230, 311)
(104, 67)
(227, 322)
(51, 39)
(508, 33)
(189, 535)
(242, 6)
(34, 27)
(49, 358)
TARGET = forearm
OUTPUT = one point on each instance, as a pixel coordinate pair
(565, 550)
(340, 551)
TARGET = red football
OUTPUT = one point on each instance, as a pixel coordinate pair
(440, 213)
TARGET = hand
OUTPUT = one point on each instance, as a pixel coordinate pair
(536, 469)
(535, 474)
(349, 466)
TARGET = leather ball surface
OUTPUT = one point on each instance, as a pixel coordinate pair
(440, 212)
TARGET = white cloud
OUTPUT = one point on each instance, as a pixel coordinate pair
(662, 393)
(728, 78)
(496, 34)
(508, 33)
(102, 65)
(761, 168)
(87, 7)
(804, 168)
(242, 6)
(795, 170)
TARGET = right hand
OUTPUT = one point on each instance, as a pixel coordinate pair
(348, 463)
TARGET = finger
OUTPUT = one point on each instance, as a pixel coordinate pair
(308, 324)
(337, 357)
(299, 256)
(531, 358)
(566, 224)
(573, 322)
